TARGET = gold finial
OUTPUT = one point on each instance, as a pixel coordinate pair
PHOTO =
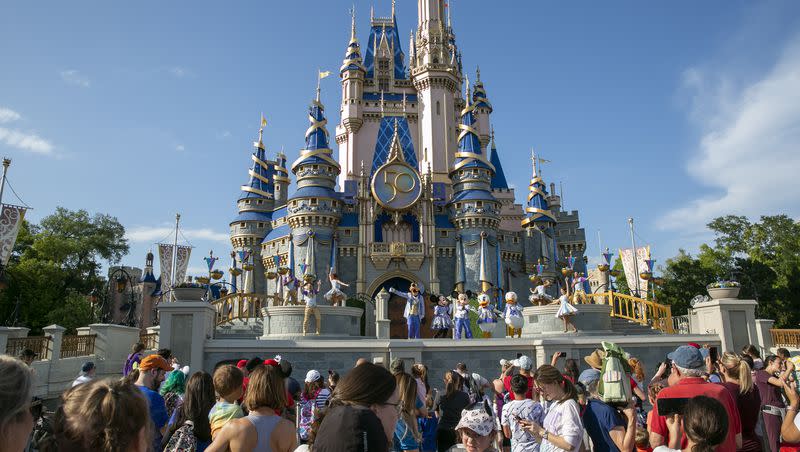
(533, 159)
(393, 1)
(478, 73)
(467, 87)
(371, 12)
(493, 143)
(395, 149)
(447, 5)
(353, 24)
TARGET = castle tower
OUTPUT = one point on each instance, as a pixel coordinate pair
(281, 178)
(352, 74)
(510, 212)
(314, 210)
(483, 108)
(437, 77)
(148, 286)
(474, 210)
(255, 206)
(540, 222)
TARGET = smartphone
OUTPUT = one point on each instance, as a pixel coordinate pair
(668, 407)
(667, 368)
(713, 354)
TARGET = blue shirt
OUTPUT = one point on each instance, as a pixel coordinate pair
(599, 419)
(158, 413)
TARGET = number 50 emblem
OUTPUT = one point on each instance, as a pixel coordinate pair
(396, 186)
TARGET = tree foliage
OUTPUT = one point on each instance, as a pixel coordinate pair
(57, 262)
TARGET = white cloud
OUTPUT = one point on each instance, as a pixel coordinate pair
(25, 141)
(180, 147)
(73, 77)
(749, 151)
(8, 115)
(152, 234)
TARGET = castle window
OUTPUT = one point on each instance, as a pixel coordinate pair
(242, 225)
(313, 201)
(480, 204)
(501, 238)
(314, 167)
(247, 201)
(347, 232)
(443, 233)
(516, 240)
(259, 201)
(383, 84)
(383, 65)
(278, 188)
(438, 108)
(260, 225)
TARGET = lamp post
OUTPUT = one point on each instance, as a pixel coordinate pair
(118, 280)
(212, 274)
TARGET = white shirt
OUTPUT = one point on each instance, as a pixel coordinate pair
(521, 440)
(81, 379)
(563, 419)
(462, 311)
(665, 449)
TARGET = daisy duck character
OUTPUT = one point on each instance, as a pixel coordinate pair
(487, 315)
(513, 315)
(441, 317)
(414, 311)
(461, 317)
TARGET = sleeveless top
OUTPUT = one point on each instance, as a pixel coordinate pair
(264, 426)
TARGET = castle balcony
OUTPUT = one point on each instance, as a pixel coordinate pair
(383, 253)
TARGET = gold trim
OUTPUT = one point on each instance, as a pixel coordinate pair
(259, 177)
(321, 153)
(257, 191)
(260, 162)
(416, 181)
(281, 179)
(473, 156)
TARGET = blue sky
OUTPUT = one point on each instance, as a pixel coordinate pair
(669, 112)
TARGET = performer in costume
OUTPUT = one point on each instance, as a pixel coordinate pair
(566, 311)
(578, 288)
(487, 316)
(441, 318)
(513, 315)
(291, 284)
(414, 311)
(335, 296)
(310, 299)
(461, 317)
(539, 295)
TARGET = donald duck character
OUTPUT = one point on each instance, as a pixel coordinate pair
(487, 316)
(513, 315)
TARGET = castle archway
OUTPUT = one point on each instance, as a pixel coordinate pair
(401, 281)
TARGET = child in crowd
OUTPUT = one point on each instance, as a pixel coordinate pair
(228, 385)
(428, 424)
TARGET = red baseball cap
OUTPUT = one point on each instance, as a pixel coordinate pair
(695, 345)
(241, 364)
(271, 362)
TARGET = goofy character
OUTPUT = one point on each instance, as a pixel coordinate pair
(414, 311)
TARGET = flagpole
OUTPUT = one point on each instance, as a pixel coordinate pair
(6, 164)
(635, 260)
(175, 250)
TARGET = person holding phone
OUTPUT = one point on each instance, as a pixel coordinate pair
(705, 426)
(561, 429)
(519, 412)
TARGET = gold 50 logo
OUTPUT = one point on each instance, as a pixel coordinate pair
(396, 186)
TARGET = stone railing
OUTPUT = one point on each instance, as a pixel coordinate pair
(397, 249)
(785, 338)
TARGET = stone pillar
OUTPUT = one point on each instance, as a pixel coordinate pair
(733, 320)
(10, 332)
(763, 335)
(157, 331)
(56, 334)
(382, 322)
(369, 320)
(185, 326)
(113, 344)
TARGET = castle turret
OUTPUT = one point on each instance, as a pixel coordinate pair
(352, 74)
(483, 109)
(314, 210)
(540, 222)
(255, 205)
(282, 180)
(148, 287)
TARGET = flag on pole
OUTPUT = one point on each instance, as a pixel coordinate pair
(263, 121)
(323, 74)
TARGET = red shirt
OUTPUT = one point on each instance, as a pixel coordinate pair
(689, 387)
(507, 385)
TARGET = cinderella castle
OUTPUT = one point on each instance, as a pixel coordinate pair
(416, 192)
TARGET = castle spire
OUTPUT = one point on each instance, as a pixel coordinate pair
(499, 179)
(396, 148)
(537, 210)
(352, 56)
(261, 184)
(317, 149)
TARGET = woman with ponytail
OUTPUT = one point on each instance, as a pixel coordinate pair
(738, 380)
(704, 422)
(562, 429)
(102, 415)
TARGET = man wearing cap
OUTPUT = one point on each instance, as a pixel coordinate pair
(688, 366)
(609, 433)
(151, 373)
(524, 364)
(87, 374)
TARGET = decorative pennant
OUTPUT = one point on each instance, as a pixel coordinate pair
(10, 221)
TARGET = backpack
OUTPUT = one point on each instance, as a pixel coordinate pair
(183, 440)
(473, 391)
(615, 382)
(306, 416)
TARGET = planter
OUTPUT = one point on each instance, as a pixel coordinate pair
(189, 293)
(723, 292)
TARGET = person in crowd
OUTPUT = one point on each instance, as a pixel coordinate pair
(643, 440)
(474, 385)
(16, 390)
(361, 414)
(524, 364)
(752, 351)
(251, 365)
(263, 428)
(100, 415)
(571, 370)
(688, 367)
(133, 360)
(420, 373)
(704, 425)
(88, 371)
(562, 429)
(151, 374)
(738, 380)
(333, 379)
(166, 354)
(406, 435)
(28, 356)
(242, 365)
(476, 428)
(787, 368)
(790, 429)
(448, 407)
(190, 422)
(312, 400)
(609, 431)
(228, 384)
(397, 367)
(172, 391)
(361, 361)
(428, 424)
(521, 409)
(652, 395)
(769, 388)
(595, 361)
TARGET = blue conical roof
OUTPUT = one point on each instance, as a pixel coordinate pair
(499, 179)
(469, 153)
(388, 28)
(317, 149)
(479, 97)
(537, 210)
(261, 184)
(352, 56)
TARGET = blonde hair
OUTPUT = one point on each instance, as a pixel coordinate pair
(637, 368)
(102, 415)
(16, 387)
(737, 369)
(407, 388)
(265, 389)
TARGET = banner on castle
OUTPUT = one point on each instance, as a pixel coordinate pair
(10, 221)
(182, 262)
(626, 255)
(165, 260)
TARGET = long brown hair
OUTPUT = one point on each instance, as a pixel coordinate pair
(637, 368)
(197, 402)
(454, 383)
(407, 387)
(547, 374)
(15, 391)
(265, 389)
(737, 369)
(101, 415)
(705, 422)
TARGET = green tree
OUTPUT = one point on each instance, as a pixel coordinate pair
(55, 262)
(684, 277)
